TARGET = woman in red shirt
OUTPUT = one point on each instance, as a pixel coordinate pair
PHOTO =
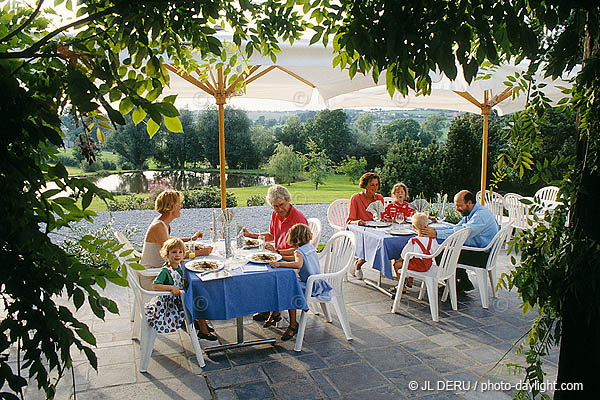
(399, 209)
(283, 217)
(358, 213)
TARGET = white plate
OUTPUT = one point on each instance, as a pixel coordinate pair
(251, 246)
(403, 232)
(377, 224)
(251, 257)
(195, 264)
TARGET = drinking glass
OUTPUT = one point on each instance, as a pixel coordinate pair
(261, 242)
(400, 218)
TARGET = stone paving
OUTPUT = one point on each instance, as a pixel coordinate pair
(388, 353)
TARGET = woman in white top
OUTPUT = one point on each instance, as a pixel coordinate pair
(168, 204)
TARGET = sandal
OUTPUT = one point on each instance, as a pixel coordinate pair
(207, 336)
(393, 289)
(209, 328)
(289, 333)
(261, 316)
(273, 319)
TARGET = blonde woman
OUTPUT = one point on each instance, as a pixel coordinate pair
(168, 204)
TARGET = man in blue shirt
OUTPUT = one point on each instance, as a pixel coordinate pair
(483, 226)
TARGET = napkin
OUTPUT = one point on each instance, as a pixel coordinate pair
(213, 275)
(376, 208)
(254, 268)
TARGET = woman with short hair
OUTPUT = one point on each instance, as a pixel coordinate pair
(358, 213)
(168, 204)
(283, 217)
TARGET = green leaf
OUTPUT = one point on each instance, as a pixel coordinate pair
(170, 99)
(153, 94)
(85, 334)
(87, 199)
(173, 124)
(114, 95)
(78, 298)
(125, 106)
(59, 171)
(166, 109)
(138, 115)
(49, 193)
(152, 127)
(91, 356)
(316, 37)
(114, 115)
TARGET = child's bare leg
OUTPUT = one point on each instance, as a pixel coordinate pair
(398, 266)
(293, 321)
(359, 263)
(203, 325)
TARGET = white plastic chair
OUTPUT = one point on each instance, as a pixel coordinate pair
(493, 248)
(335, 259)
(420, 205)
(548, 193)
(547, 196)
(517, 211)
(387, 201)
(493, 202)
(126, 243)
(148, 272)
(443, 272)
(315, 228)
(148, 334)
(337, 213)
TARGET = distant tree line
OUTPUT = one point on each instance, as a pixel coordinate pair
(429, 158)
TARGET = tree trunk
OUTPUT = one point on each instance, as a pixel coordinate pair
(579, 359)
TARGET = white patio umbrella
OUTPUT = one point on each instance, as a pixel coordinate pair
(303, 75)
(481, 96)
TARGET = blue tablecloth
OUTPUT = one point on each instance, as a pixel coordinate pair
(378, 247)
(243, 294)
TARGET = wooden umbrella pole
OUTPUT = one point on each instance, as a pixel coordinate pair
(221, 99)
(485, 111)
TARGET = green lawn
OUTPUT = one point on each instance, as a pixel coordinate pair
(336, 187)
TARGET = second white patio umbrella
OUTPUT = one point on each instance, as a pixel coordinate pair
(486, 92)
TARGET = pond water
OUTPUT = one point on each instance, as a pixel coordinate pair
(138, 182)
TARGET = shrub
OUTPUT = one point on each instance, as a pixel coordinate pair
(68, 161)
(452, 216)
(255, 200)
(130, 202)
(93, 167)
(202, 197)
(207, 197)
(108, 165)
(93, 258)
